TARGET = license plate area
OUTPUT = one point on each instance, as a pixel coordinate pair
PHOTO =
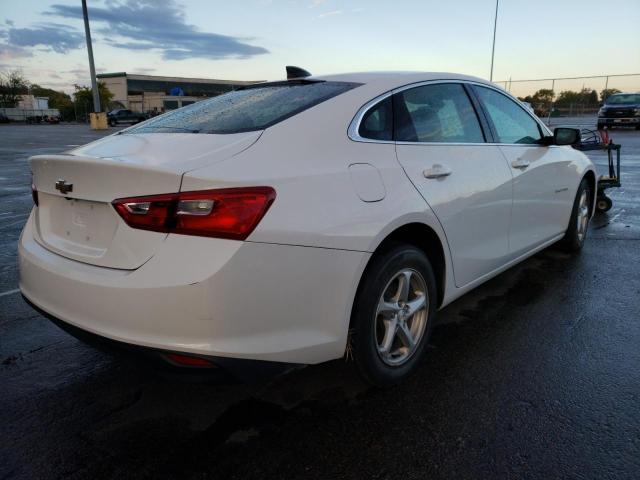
(77, 227)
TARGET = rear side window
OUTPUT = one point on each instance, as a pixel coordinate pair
(248, 109)
(377, 123)
(510, 122)
(436, 113)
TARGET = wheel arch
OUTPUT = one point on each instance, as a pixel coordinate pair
(423, 237)
(590, 176)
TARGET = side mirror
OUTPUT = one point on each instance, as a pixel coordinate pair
(566, 136)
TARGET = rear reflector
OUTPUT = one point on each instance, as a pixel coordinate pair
(225, 213)
(187, 361)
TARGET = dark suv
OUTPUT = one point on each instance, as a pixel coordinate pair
(620, 110)
(115, 117)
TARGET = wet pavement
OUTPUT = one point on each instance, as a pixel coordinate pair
(536, 374)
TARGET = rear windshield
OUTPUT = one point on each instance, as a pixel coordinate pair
(251, 108)
(627, 99)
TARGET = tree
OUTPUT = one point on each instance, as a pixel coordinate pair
(540, 101)
(84, 96)
(544, 96)
(12, 86)
(583, 97)
(607, 92)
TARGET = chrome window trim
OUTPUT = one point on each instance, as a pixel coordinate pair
(354, 126)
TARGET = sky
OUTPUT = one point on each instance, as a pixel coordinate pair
(255, 39)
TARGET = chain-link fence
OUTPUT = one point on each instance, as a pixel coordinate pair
(570, 96)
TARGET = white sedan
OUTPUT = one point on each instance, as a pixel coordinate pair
(287, 222)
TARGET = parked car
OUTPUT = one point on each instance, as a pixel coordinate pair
(620, 110)
(286, 223)
(116, 117)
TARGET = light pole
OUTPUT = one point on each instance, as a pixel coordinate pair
(92, 68)
(98, 119)
(493, 48)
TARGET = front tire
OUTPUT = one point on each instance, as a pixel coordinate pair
(393, 314)
(579, 222)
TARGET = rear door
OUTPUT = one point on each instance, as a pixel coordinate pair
(543, 177)
(441, 145)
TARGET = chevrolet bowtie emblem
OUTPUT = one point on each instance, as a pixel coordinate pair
(64, 187)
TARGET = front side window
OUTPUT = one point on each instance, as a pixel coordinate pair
(252, 108)
(510, 122)
(436, 113)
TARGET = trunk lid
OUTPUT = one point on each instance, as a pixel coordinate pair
(82, 225)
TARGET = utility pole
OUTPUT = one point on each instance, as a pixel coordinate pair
(98, 119)
(92, 68)
(493, 48)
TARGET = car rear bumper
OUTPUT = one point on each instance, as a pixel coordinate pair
(219, 368)
(203, 296)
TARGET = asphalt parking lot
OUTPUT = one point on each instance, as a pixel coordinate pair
(536, 374)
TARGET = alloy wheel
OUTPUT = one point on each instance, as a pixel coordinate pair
(583, 216)
(401, 317)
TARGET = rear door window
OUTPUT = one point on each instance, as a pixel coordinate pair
(439, 113)
(251, 108)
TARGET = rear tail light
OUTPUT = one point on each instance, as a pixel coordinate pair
(225, 213)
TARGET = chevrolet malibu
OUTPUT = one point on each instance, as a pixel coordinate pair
(289, 222)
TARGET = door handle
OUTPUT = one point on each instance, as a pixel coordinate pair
(437, 171)
(520, 163)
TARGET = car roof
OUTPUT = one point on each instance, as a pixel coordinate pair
(391, 80)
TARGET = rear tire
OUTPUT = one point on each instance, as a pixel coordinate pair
(600, 126)
(393, 314)
(579, 222)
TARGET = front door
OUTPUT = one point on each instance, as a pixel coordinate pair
(466, 181)
(542, 175)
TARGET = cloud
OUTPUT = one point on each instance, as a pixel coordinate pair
(10, 52)
(53, 36)
(330, 14)
(159, 26)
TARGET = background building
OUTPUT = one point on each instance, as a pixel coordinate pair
(32, 102)
(149, 93)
